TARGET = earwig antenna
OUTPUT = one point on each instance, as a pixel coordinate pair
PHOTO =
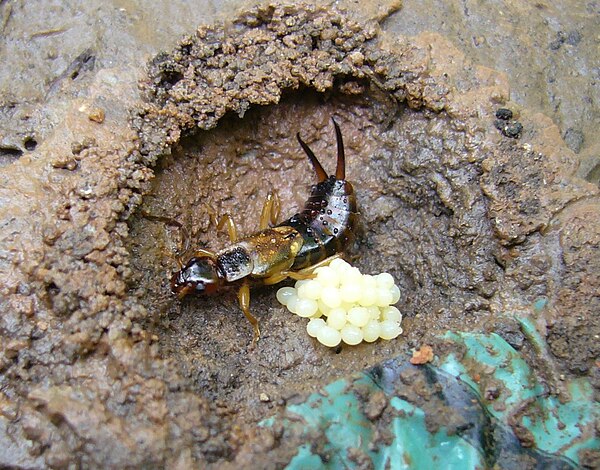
(321, 175)
(340, 169)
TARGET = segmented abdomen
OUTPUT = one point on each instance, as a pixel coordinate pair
(327, 223)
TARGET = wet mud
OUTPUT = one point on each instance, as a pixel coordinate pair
(102, 366)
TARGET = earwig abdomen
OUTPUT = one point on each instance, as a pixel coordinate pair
(327, 223)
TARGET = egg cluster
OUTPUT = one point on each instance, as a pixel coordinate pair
(358, 307)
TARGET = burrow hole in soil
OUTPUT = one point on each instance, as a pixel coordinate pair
(410, 170)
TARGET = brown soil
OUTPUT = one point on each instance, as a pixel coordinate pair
(101, 366)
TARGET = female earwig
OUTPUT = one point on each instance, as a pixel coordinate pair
(291, 249)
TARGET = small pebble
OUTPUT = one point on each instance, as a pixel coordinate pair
(504, 114)
(97, 115)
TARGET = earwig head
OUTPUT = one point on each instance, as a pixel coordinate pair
(199, 276)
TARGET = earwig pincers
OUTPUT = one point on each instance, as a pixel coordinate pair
(291, 249)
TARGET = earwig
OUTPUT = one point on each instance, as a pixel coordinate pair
(291, 249)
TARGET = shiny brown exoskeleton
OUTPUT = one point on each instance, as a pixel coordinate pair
(292, 248)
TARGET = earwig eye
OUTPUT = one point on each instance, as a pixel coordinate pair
(200, 287)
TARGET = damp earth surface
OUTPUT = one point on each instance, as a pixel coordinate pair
(102, 366)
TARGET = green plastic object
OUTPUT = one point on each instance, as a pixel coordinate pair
(557, 428)
(400, 416)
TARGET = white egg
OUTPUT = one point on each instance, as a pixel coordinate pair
(358, 316)
(314, 326)
(368, 297)
(306, 307)
(339, 265)
(391, 313)
(329, 336)
(374, 312)
(331, 296)
(292, 303)
(389, 329)
(384, 297)
(357, 307)
(351, 335)
(351, 291)
(324, 309)
(284, 294)
(353, 275)
(337, 318)
(371, 331)
(385, 280)
(327, 276)
(310, 290)
(369, 281)
(395, 294)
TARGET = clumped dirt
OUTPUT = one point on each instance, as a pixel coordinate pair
(101, 366)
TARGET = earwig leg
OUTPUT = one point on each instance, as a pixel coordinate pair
(203, 252)
(226, 219)
(295, 275)
(212, 214)
(244, 299)
(270, 211)
(177, 257)
(184, 235)
(354, 257)
(275, 279)
(298, 275)
(231, 227)
(306, 273)
(324, 262)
